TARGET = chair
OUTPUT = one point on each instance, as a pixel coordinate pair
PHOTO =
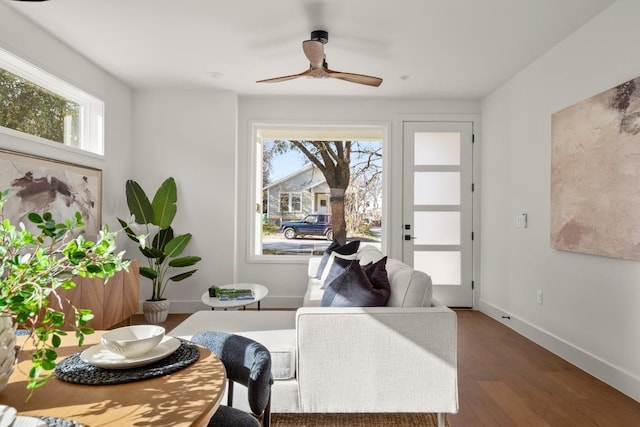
(247, 362)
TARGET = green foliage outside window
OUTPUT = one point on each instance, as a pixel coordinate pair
(29, 108)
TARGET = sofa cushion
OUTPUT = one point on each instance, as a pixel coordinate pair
(348, 248)
(282, 346)
(368, 254)
(352, 288)
(409, 287)
(313, 296)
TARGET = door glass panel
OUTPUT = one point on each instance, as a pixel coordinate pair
(437, 228)
(436, 188)
(437, 148)
(442, 266)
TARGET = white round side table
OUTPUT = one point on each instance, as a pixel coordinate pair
(259, 292)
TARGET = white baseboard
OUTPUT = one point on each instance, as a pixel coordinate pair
(271, 302)
(617, 378)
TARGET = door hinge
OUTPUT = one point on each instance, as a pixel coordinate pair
(473, 138)
(473, 187)
(472, 235)
(473, 285)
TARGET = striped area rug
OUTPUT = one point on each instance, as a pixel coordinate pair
(354, 420)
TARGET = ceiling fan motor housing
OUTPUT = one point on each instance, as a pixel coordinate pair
(320, 36)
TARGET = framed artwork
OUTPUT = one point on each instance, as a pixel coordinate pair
(42, 185)
(595, 174)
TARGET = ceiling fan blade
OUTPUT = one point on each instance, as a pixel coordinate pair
(314, 51)
(284, 78)
(355, 78)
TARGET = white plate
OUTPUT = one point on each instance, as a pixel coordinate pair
(99, 356)
(28, 422)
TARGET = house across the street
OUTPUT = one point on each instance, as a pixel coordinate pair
(296, 195)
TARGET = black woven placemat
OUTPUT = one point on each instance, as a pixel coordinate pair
(75, 370)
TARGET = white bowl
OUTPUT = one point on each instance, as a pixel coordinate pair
(133, 341)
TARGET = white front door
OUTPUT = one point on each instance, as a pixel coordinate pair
(323, 204)
(438, 206)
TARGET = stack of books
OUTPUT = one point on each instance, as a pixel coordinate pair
(227, 294)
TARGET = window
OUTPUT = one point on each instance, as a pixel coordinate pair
(284, 202)
(296, 202)
(293, 194)
(39, 106)
(290, 202)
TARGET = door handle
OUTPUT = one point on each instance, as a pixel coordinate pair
(409, 237)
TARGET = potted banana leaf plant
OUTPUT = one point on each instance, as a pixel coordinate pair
(158, 243)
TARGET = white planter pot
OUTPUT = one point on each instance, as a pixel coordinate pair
(7, 349)
(155, 311)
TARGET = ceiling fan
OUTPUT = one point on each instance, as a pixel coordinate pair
(318, 68)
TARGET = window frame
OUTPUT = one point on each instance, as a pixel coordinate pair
(254, 193)
(290, 196)
(91, 139)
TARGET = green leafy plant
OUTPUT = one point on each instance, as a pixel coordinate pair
(34, 266)
(165, 252)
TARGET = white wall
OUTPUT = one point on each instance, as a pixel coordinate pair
(287, 281)
(191, 135)
(590, 309)
(22, 38)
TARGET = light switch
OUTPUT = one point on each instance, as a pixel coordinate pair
(521, 220)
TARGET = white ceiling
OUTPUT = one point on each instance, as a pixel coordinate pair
(451, 48)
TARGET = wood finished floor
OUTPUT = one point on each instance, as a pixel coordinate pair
(506, 380)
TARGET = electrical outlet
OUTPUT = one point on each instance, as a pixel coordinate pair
(521, 220)
(540, 296)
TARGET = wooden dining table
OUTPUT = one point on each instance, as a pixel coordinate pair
(188, 397)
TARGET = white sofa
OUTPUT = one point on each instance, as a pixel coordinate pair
(398, 358)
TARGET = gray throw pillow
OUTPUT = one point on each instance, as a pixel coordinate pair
(352, 288)
(334, 268)
(348, 248)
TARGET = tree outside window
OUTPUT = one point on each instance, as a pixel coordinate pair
(36, 103)
(339, 177)
(29, 108)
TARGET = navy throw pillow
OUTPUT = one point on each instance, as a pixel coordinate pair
(377, 274)
(348, 248)
(352, 288)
